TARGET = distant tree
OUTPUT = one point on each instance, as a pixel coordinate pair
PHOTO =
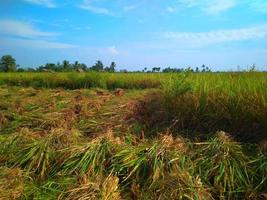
(79, 66)
(31, 69)
(82, 66)
(20, 70)
(98, 66)
(203, 68)
(173, 70)
(197, 69)
(188, 69)
(252, 68)
(112, 67)
(145, 69)
(155, 69)
(66, 65)
(7, 63)
(76, 65)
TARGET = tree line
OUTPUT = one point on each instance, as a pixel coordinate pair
(8, 64)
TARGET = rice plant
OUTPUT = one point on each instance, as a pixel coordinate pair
(259, 176)
(222, 165)
(49, 189)
(35, 154)
(36, 157)
(106, 189)
(92, 158)
(177, 185)
(148, 161)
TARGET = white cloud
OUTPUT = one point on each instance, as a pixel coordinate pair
(219, 6)
(22, 29)
(32, 37)
(210, 6)
(87, 5)
(113, 50)
(218, 36)
(34, 44)
(45, 3)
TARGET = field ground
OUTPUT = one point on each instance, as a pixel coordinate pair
(160, 137)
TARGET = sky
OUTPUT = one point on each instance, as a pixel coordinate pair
(222, 34)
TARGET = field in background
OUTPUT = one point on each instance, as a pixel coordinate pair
(160, 136)
(228, 82)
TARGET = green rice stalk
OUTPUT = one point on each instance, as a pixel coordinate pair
(90, 158)
(147, 162)
(222, 165)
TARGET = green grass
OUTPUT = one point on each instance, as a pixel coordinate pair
(225, 82)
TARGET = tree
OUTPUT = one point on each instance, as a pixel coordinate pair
(145, 69)
(66, 65)
(112, 67)
(203, 68)
(155, 69)
(79, 66)
(7, 63)
(98, 66)
(252, 68)
(20, 70)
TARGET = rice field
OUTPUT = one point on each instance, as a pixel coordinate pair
(116, 136)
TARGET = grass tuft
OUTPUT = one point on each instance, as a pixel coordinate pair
(92, 158)
(222, 165)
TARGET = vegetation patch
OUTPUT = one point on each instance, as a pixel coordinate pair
(186, 136)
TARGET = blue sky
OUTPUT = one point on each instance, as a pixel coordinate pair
(135, 34)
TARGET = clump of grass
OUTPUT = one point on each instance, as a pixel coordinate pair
(178, 185)
(222, 165)
(49, 189)
(62, 138)
(11, 183)
(259, 164)
(36, 157)
(176, 84)
(37, 153)
(15, 141)
(105, 189)
(147, 162)
(92, 158)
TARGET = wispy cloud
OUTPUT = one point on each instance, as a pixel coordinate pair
(21, 34)
(34, 44)
(22, 29)
(216, 7)
(45, 3)
(210, 6)
(218, 36)
(87, 5)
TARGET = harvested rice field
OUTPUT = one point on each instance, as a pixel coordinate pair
(144, 136)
